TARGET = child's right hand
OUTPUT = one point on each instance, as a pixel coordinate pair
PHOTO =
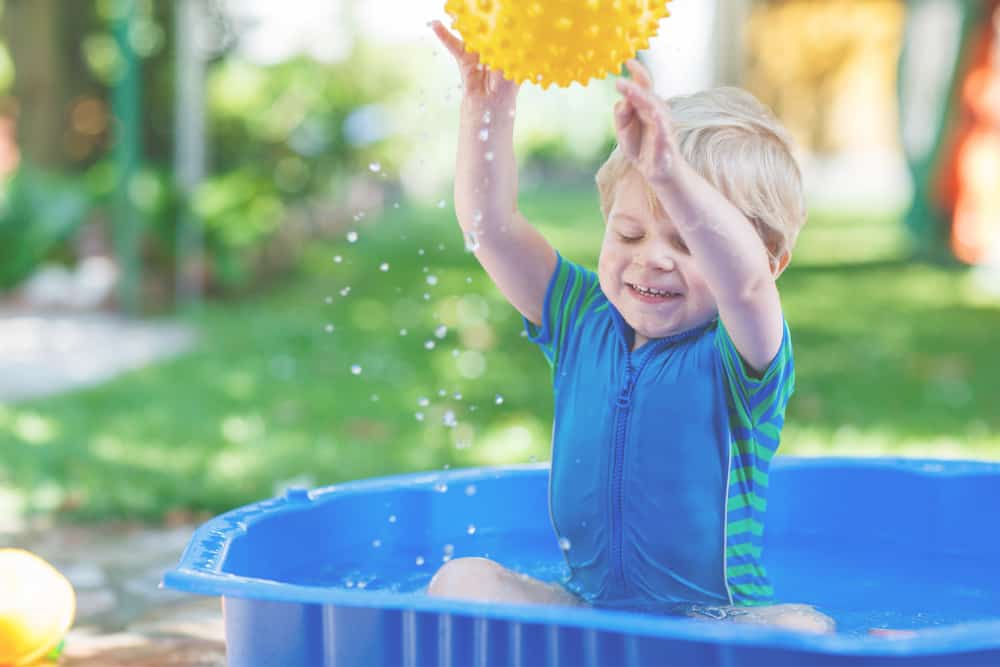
(484, 87)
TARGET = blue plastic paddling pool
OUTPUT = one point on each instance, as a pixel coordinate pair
(335, 576)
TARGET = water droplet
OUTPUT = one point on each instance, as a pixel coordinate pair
(420, 560)
(429, 345)
(442, 204)
(489, 156)
(383, 267)
(471, 241)
(328, 299)
(471, 530)
(487, 117)
(427, 297)
(362, 584)
(457, 395)
(419, 416)
(376, 543)
(441, 487)
(498, 400)
(403, 332)
(352, 237)
(375, 167)
(423, 401)
(564, 544)
(445, 559)
(455, 353)
(328, 328)
(432, 280)
(446, 466)
(442, 393)
(441, 331)
(395, 204)
(477, 217)
(484, 134)
(449, 549)
(468, 280)
(349, 583)
(449, 419)
(345, 291)
(420, 251)
(392, 518)
(355, 369)
(337, 259)
(374, 398)
(470, 490)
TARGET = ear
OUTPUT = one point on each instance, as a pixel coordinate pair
(782, 263)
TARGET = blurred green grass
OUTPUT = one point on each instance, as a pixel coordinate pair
(893, 358)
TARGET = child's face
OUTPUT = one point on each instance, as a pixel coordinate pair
(641, 251)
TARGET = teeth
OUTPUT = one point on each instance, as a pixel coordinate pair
(649, 291)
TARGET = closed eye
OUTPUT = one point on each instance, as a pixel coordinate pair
(629, 239)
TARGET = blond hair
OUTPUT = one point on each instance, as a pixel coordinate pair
(739, 147)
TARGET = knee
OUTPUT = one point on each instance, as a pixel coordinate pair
(470, 578)
(803, 618)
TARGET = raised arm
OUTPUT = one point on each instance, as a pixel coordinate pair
(515, 255)
(730, 254)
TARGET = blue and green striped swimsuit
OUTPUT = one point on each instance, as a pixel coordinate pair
(659, 455)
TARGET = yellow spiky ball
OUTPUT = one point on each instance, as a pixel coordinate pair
(556, 41)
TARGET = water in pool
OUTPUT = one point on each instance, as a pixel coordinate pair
(861, 588)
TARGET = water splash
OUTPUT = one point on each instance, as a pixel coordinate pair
(352, 237)
(498, 400)
(470, 490)
(403, 332)
(328, 300)
(487, 116)
(375, 167)
(419, 416)
(442, 204)
(441, 487)
(420, 560)
(441, 331)
(489, 156)
(376, 543)
(429, 345)
(383, 267)
(392, 518)
(432, 280)
(471, 530)
(337, 259)
(423, 401)
(449, 419)
(328, 328)
(471, 241)
(345, 291)
(564, 544)
(356, 369)
(420, 251)
(484, 134)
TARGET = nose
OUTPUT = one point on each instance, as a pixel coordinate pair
(657, 256)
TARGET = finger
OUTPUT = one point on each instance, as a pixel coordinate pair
(639, 73)
(624, 114)
(452, 43)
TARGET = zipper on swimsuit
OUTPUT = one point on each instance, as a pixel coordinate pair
(617, 488)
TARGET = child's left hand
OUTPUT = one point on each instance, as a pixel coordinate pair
(643, 126)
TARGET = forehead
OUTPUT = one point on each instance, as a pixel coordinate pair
(635, 201)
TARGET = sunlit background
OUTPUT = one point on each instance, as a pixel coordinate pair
(229, 261)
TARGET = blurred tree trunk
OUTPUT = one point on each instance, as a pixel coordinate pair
(44, 38)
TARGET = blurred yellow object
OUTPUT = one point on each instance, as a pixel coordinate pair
(37, 606)
(556, 41)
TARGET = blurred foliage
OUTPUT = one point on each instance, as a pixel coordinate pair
(38, 212)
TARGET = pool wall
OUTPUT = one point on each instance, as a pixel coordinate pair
(896, 514)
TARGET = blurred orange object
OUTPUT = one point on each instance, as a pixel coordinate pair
(37, 606)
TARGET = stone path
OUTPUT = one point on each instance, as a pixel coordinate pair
(48, 353)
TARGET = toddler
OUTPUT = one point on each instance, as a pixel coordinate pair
(672, 365)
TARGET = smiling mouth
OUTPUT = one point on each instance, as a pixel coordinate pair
(652, 293)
